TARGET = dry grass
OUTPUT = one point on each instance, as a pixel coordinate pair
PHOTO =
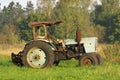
(110, 52)
(6, 49)
(100, 49)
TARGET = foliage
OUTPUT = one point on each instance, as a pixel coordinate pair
(8, 35)
(107, 15)
(103, 23)
(45, 7)
(8, 21)
(97, 31)
(73, 16)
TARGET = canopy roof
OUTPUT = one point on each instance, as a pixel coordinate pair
(49, 23)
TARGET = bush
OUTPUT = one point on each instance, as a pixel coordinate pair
(96, 31)
(8, 35)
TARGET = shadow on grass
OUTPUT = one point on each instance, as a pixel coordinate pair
(68, 63)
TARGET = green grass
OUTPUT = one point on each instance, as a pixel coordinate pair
(67, 70)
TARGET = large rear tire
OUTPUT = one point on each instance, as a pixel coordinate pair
(38, 54)
(88, 59)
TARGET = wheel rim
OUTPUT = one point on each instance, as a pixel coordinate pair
(36, 57)
(87, 62)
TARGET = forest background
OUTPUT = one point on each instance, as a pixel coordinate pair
(103, 22)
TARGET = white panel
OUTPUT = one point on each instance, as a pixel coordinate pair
(89, 43)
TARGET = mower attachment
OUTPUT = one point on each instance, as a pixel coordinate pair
(16, 58)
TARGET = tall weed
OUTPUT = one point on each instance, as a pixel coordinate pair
(111, 52)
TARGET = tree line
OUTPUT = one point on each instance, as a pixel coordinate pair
(103, 22)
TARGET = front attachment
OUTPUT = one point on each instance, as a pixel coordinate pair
(16, 58)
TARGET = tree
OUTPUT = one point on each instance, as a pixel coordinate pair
(0, 7)
(8, 35)
(31, 16)
(19, 12)
(106, 15)
(73, 16)
(11, 14)
(24, 29)
(115, 35)
(0, 14)
(29, 8)
(45, 7)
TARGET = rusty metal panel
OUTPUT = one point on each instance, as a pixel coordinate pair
(49, 23)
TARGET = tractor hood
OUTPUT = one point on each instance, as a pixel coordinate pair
(90, 43)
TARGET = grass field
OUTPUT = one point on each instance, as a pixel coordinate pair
(66, 70)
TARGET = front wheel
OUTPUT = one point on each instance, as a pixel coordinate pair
(38, 54)
(100, 59)
(88, 60)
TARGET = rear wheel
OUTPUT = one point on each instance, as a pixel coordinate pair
(38, 54)
(88, 60)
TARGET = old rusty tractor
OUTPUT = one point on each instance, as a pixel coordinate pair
(45, 50)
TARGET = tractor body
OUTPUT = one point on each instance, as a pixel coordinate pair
(45, 50)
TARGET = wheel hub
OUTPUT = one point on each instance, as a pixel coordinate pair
(36, 57)
(87, 62)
